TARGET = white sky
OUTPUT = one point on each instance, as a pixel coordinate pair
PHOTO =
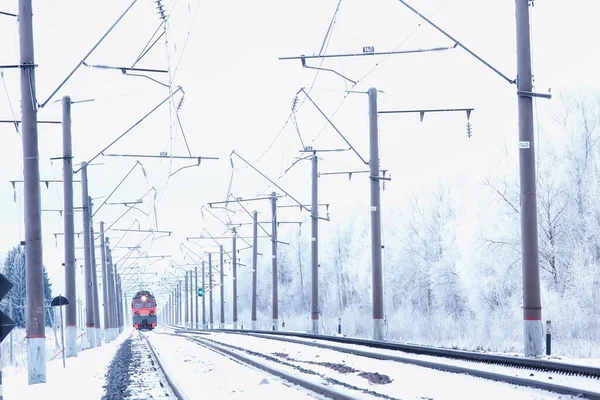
(238, 96)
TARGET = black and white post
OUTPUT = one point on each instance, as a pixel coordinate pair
(376, 260)
(532, 305)
(69, 227)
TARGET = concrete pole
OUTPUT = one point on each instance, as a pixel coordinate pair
(222, 325)
(378, 318)
(87, 258)
(210, 291)
(532, 304)
(69, 226)
(204, 326)
(314, 246)
(35, 321)
(196, 294)
(254, 265)
(235, 316)
(185, 302)
(191, 300)
(95, 279)
(274, 261)
(121, 312)
(105, 285)
(112, 294)
(180, 305)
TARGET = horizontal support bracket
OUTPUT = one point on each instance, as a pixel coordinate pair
(523, 93)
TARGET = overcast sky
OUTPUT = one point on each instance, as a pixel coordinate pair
(238, 96)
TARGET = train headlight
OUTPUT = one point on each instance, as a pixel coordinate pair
(144, 298)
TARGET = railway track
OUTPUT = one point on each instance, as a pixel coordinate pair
(479, 362)
(136, 373)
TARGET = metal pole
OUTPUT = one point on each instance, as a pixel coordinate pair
(112, 294)
(62, 336)
(532, 304)
(95, 279)
(191, 300)
(254, 262)
(235, 317)
(185, 297)
(35, 321)
(314, 247)
(105, 285)
(196, 279)
(378, 321)
(121, 312)
(69, 226)
(89, 295)
(210, 291)
(10, 310)
(274, 259)
(204, 294)
(222, 325)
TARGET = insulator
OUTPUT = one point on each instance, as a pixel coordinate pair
(469, 130)
(15, 196)
(383, 186)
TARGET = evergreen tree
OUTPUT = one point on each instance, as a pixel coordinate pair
(14, 270)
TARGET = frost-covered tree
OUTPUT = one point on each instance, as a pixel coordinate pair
(14, 270)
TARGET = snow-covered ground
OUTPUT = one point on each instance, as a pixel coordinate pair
(202, 368)
(83, 377)
(266, 345)
(201, 373)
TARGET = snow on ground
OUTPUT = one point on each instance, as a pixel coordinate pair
(408, 381)
(83, 377)
(201, 373)
(555, 378)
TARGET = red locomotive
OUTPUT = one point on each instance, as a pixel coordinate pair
(143, 310)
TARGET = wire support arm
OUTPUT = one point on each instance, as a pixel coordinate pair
(369, 53)
(88, 54)
(443, 32)
(131, 128)
(267, 178)
(333, 126)
(115, 189)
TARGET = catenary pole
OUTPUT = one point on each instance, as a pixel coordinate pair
(196, 295)
(254, 265)
(274, 260)
(105, 285)
(210, 292)
(235, 316)
(112, 294)
(185, 300)
(377, 269)
(222, 288)
(69, 227)
(35, 316)
(204, 326)
(532, 306)
(191, 300)
(89, 295)
(95, 278)
(314, 246)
